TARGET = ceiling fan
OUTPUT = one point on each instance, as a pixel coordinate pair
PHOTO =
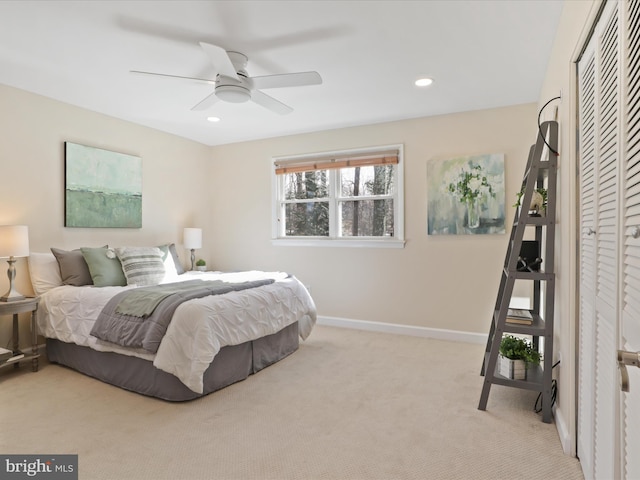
(234, 85)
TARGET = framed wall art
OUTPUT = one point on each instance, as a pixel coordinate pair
(466, 195)
(103, 189)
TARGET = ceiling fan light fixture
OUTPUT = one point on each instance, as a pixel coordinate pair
(233, 93)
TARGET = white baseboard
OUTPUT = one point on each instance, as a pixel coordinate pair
(440, 334)
(563, 432)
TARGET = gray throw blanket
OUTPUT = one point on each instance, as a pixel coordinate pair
(139, 318)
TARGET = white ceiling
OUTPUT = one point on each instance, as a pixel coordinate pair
(480, 53)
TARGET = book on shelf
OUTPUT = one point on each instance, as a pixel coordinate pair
(519, 316)
(5, 354)
(15, 357)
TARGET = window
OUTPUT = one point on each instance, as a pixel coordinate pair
(351, 198)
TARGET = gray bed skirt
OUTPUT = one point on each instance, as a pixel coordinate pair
(231, 364)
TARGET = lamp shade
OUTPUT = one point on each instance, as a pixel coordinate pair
(14, 241)
(192, 238)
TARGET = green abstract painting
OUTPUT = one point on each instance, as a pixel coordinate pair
(102, 188)
(466, 195)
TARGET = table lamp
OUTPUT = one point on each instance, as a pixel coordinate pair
(14, 242)
(192, 240)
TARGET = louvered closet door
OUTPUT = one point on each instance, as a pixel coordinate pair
(599, 259)
(630, 401)
(607, 162)
(586, 332)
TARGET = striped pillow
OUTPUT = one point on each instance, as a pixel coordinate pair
(142, 266)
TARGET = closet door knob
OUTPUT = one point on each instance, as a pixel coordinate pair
(590, 231)
(635, 232)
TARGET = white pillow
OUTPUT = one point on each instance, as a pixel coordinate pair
(170, 270)
(44, 272)
(142, 266)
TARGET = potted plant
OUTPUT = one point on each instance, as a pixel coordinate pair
(201, 265)
(515, 355)
(538, 201)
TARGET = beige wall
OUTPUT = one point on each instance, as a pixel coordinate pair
(34, 130)
(444, 282)
(576, 21)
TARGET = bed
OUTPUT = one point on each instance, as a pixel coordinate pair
(210, 342)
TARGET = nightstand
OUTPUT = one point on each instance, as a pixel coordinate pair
(14, 308)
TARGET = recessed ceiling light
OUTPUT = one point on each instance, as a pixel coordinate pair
(424, 82)
(213, 119)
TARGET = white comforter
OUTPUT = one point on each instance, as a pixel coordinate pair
(200, 327)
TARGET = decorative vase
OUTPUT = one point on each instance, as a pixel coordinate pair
(536, 209)
(513, 369)
(473, 213)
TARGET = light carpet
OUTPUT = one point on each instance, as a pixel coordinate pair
(347, 405)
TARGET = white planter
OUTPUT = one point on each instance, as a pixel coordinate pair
(514, 369)
(201, 269)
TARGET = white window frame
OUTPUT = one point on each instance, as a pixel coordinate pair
(334, 239)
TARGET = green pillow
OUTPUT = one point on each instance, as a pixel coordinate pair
(106, 270)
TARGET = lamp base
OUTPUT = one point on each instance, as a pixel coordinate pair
(12, 297)
(12, 294)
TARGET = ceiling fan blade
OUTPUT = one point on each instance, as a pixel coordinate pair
(207, 102)
(137, 72)
(270, 103)
(220, 59)
(287, 80)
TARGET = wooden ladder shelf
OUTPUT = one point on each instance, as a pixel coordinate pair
(541, 172)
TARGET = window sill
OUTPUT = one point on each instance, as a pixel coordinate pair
(342, 242)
